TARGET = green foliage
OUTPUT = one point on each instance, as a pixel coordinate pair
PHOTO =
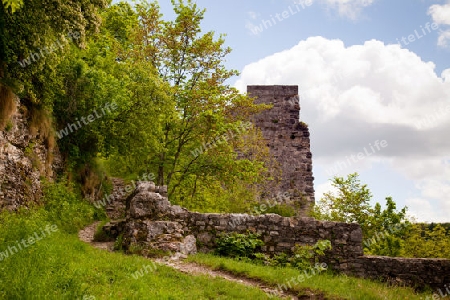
(167, 82)
(351, 203)
(13, 4)
(303, 257)
(426, 241)
(282, 210)
(178, 101)
(307, 256)
(238, 245)
(66, 208)
(32, 39)
(118, 243)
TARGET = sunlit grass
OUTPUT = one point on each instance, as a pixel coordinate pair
(333, 286)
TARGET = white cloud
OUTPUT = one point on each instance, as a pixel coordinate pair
(356, 81)
(353, 96)
(444, 38)
(349, 8)
(441, 15)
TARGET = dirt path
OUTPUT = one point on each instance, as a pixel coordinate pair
(87, 235)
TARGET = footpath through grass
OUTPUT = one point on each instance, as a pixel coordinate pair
(42, 258)
(333, 286)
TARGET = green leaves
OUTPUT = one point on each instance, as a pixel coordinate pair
(188, 109)
(427, 240)
(33, 40)
(383, 230)
(13, 4)
(238, 245)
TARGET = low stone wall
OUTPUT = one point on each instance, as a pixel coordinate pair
(416, 272)
(152, 222)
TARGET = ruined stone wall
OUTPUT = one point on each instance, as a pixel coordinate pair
(415, 272)
(288, 141)
(152, 222)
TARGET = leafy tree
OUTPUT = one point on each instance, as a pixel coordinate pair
(32, 39)
(350, 204)
(191, 107)
(383, 230)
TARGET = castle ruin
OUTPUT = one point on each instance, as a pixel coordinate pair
(288, 141)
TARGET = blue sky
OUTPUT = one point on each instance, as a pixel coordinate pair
(360, 84)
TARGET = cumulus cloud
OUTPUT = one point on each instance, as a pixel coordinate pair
(441, 15)
(354, 96)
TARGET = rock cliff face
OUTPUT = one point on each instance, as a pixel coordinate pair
(24, 160)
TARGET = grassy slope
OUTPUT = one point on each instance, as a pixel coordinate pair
(60, 266)
(336, 287)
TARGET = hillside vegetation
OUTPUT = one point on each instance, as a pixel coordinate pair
(116, 90)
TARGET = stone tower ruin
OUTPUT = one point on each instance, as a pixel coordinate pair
(288, 141)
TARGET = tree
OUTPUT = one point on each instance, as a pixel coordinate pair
(198, 122)
(383, 230)
(32, 38)
(350, 204)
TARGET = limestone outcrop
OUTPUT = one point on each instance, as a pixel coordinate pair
(24, 158)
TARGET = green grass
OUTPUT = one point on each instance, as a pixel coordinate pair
(333, 286)
(59, 266)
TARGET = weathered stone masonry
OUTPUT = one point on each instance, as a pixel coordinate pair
(152, 222)
(288, 141)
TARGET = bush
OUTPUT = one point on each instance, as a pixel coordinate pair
(303, 257)
(282, 210)
(67, 209)
(238, 245)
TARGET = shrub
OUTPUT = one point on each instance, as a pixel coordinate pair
(307, 256)
(303, 257)
(238, 245)
(66, 208)
(282, 210)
